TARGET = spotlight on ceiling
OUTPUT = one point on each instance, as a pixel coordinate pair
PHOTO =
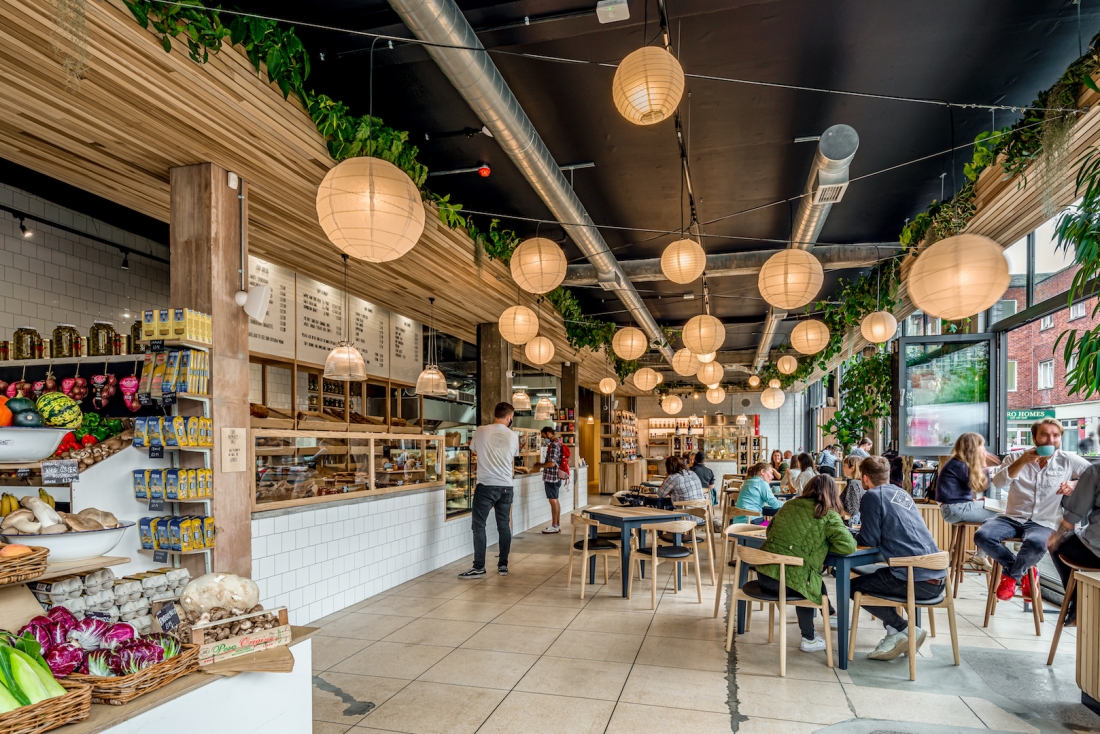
(125, 260)
(27, 233)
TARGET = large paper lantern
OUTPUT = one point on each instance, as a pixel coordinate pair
(672, 404)
(704, 334)
(660, 377)
(710, 373)
(877, 327)
(431, 382)
(518, 325)
(754, 381)
(685, 363)
(538, 265)
(370, 209)
(608, 385)
(787, 364)
(810, 336)
(708, 357)
(648, 85)
(683, 261)
(539, 350)
(716, 395)
(772, 398)
(646, 379)
(790, 278)
(521, 400)
(629, 343)
(959, 277)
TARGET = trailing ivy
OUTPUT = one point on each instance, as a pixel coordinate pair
(864, 398)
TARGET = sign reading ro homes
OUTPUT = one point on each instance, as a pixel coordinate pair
(1030, 415)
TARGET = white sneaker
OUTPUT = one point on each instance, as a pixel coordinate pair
(552, 529)
(891, 647)
(832, 622)
(817, 644)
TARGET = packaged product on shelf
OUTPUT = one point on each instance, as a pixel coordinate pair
(141, 480)
(170, 437)
(76, 606)
(208, 531)
(145, 384)
(160, 365)
(179, 430)
(130, 610)
(143, 625)
(64, 587)
(149, 325)
(175, 576)
(183, 381)
(175, 534)
(192, 483)
(140, 431)
(172, 483)
(148, 533)
(164, 538)
(95, 581)
(164, 323)
(200, 484)
(127, 589)
(192, 423)
(156, 484)
(154, 429)
(171, 372)
(179, 322)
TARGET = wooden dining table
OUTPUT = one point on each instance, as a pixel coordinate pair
(628, 519)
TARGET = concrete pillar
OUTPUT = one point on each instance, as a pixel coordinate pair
(205, 259)
(494, 369)
(570, 385)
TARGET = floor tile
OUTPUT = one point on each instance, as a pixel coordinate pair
(511, 638)
(435, 590)
(575, 678)
(330, 618)
(630, 718)
(497, 594)
(529, 616)
(393, 660)
(673, 653)
(468, 611)
(763, 660)
(629, 623)
(446, 632)
(996, 717)
(819, 702)
(696, 690)
(609, 646)
(557, 597)
(434, 708)
(360, 626)
(325, 727)
(403, 606)
(689, 627)
(328, 651)
(929, 708)
(758, 725)
(480, 668)
(351, 697)
(534, 712)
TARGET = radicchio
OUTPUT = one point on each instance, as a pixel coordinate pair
(118, 634)
(103, 663)
(39, 627)
(58, 633)
(63, 659)
(61, 616)
(169, 644)
(88, 633)
(138, 655)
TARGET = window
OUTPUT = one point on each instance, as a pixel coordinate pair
(1046, 374)
(1077, 311)
(1003, 309)
(1010, 376)
(1047, 322)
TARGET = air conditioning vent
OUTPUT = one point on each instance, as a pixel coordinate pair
(830, 194)
(611, 281)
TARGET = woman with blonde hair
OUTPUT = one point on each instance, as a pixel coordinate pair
(962, 481)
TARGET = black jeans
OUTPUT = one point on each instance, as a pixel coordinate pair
(499, 499)
(883, 582)
(1072, 548)
(805, 614)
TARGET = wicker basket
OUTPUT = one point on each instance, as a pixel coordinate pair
(125, 688)
(75, 705)
(24, 568)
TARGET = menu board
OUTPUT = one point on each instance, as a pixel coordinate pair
(406, 349)
(275, 336)
(370, 332)
(320, 319)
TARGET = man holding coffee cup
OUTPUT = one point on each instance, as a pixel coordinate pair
(1035, 480)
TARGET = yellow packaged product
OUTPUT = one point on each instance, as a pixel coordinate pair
(149, 325)
(154, 431)
(183, 378)
(208, 531)
(146, 382)
(192, 423)
(164, 323)
(179, 428)
(197, 535)
(209, 483)
(172, 483)
(168, 432)
(160, 365)
(156, 484)
(175, 533)
(164, 534)
(171, 372)
(179, 323)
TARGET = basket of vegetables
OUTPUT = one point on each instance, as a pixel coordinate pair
(31, 698)
(20, 562)
(113, 659)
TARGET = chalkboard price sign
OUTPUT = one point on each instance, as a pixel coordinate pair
(160, 556)
(62, 471)
(156, 345)
(145, 399)
(168, 398)
(156, 504)
(156, 452)
(22, 473)
(168, 617)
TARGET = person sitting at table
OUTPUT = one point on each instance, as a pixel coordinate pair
(853, 490)
(681, 483)
(863, 448)
(827, 459)
(756, 494)
(961, 483)
(806, 472)
(1081, 507)
(892, 522)
(1035, 479)
(810, 528)
(706, 476)
(779, 466)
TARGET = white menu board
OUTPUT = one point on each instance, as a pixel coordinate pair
(275, 336)
(320, 319)
(370, 332)
(406, 349)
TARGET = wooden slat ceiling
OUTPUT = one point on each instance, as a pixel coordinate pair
(139, 111)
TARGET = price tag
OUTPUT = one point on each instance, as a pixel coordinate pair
(156, 452)
(105, 616)
(156, 504)
(22, 473)
(160, 556)
(62, 471)
(168, 617)
(145, 399)
(168, 398)
(156, 345)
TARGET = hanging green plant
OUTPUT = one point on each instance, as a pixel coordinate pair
(865, 385)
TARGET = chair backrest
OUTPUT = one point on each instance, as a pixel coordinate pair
(679, 504)
(579, 519)
(757, 557)
(932, 561)
(671, 526)
(696, 511)
(744, 527)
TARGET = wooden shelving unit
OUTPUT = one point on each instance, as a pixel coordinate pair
(619, 439)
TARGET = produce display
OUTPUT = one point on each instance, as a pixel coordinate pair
(214, 629)
(26, 678)
(37, 516)
(227, 591)
(100, 594)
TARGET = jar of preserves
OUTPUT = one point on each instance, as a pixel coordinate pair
(5, 351)
(135, 337)
(24, 343)
(65, 341)
(101, 339)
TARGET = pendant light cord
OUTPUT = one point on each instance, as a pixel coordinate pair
(347, 303)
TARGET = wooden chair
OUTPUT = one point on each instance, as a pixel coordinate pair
(1071, 589)
(751, 592)
(961, 535)
(702, 508)
(589, 548)
(653, 554)
(730, 484)
(726, 567)
(932, 561)
(995, 581)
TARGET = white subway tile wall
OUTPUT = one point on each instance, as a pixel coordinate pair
(316, 562)
(278, 386)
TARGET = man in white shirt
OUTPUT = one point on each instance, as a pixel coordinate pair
(1035, 480)
(496, 446)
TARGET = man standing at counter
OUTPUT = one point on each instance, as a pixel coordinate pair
(551, 482)
(496, 446)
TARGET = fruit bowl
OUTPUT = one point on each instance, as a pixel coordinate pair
(74, 546)
(24, 445)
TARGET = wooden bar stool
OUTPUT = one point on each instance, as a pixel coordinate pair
(994, 582)
(1071, 589)
(960, 535)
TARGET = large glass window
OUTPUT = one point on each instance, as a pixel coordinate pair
(1010, 376)
(947, 391)
(1054, 266)
(1077, 311)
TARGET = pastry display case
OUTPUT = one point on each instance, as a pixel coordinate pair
(458, 475)
(530, 449)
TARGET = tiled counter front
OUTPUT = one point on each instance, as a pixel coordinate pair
(318, 559)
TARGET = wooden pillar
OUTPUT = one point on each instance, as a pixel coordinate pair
(494, 369)
(206, 257)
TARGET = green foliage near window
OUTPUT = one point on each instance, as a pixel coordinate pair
(865, 384)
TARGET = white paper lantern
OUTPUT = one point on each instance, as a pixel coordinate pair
(685, 363)
(704, 334)
(660, 377)
(431, 382)
(790, 278)
(683, 261)
(608, 385)
(877, 327)
(810, 336)
(754, 381)
(544, 409)
(787, 364)
(370, 209)
(521, 400)
(672, 404)
(518, 325)
(539, 350)
(538, 265)
(716, 395)
(646, 379)
(772, 398)
(774, 383)
(629, 343)
(959, 277)
(710, 373)
(345, 363)
(648, 85)
(708, 357)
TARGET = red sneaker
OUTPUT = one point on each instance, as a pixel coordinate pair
(1025, 586)
(1007, 589)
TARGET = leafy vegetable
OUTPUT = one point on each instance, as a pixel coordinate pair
(7, 676)
(61, 615)
(27, 678)
(42, 671)
(169, 644)
(63, 659)
(118, 634)
(88, 633)
(39, 629)
(138, 655)
(102, 663)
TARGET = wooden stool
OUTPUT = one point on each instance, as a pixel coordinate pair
(995, 581)
(958, 553)
(1071, 589)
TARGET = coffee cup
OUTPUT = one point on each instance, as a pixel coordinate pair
(1047, 450)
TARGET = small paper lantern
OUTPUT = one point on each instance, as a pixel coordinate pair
(521, 400)
(708, 357)
(772, 398)
(672, 404)
(648, 85)
(646, 379)
(774, 383)
(608, 385)
(877, 327)
(345, 363)
(685, 363)
(787, 364)
(716, 395)
(790, 278)
(538, 265)
(431, 382)
(754, 381)
(539, 350)
(370, 209)
(544, 409)
(959, 277)
(810, 336)
(683, 261)
(629, 343)
(710, 373)
(704, 334)
(660, 377)
(518, 325)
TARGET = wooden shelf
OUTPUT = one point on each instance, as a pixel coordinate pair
(180, 343)
(70, 568)
(399, 471)
(111, 359)
(200, 551)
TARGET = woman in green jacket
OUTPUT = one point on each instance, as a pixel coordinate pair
(809, 527)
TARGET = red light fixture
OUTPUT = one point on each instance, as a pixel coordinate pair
(483, 170)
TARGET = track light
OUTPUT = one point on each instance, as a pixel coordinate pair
(125, 260)
(27, 233)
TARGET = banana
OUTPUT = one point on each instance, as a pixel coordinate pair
(46, 497)
(7, 504)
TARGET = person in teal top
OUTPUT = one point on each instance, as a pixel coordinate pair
(755, 493)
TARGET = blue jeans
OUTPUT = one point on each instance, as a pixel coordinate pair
(500, 500)
(990, 535)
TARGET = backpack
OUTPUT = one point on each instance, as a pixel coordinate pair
(563, 467)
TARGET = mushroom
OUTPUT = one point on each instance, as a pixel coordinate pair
(24, 525)
(55, 529)
(79, 523)
(106, 519)
(21, 513)
(42, 512)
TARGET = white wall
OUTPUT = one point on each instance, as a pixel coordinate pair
(785, 427)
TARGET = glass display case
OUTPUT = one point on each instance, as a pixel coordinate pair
(405, 461)
(530, 449)
(458, 475)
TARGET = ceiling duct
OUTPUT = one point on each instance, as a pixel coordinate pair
(455, 47)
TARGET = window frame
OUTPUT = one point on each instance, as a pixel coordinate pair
(1011, 384)
(1039, 374)
(1079, 306)
(1046, 322)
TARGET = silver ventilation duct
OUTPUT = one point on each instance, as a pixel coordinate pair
(475, 76)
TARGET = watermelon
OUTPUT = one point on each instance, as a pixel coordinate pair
(59, 410)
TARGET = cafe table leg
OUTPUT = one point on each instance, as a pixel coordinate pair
(624, 568)
(843, 586)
